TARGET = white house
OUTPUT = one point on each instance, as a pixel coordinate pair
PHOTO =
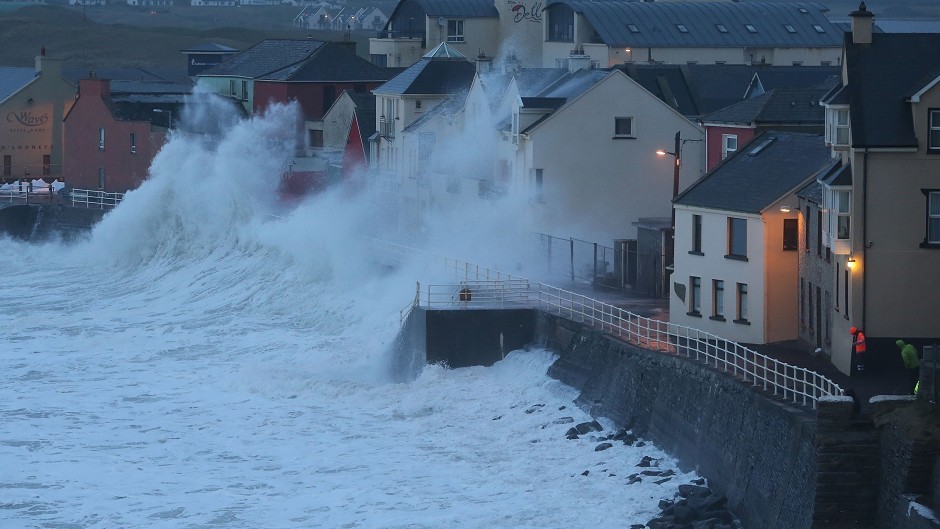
(737, 241)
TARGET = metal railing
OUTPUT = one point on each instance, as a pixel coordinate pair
(483, 293)
(792, 383)
(91, 198)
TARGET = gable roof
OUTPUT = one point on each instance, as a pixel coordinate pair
(365, 112)
(880, 78)
(329, 63)
(756, 176)
(431, 76)
(450, 106)
(13, 79)
(689, 24)
(210, 47)
(797, 106)
(264, 58)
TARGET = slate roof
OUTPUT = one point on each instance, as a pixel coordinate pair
(811, 192)
(563, 91)
(431, 77)
(365, 111)
(329, 63)
(657, 23)
(13, 79)
(453, 8)
(449, 107)
(210, 47)
(668, 82)
(266, 57)
(783, 106)
(756, 176)
(880, 75)
(140, 75)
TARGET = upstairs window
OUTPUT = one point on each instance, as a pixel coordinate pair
(737, 238)
(933, 219)
(133, 143)
(623, 128)
(101, 139)
(561, 23)
(933, 133)
(455, 31)
(841, 208)
(791, 234)
(837, 126)
(315, 140)
(696, 234)
(244, 90)
(729, 144)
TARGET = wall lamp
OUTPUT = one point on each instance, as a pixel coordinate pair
(850, 263)
(786, 209)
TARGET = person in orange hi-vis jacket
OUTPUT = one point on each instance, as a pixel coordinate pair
(858, 348)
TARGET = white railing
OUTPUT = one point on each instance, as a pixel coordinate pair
(395, 254)
(789, 382)
(92, 198)
(477, 294)
(488, 287)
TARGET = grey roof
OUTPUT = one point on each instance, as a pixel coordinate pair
(140, 75)
(670, 83)
(657, 24)
(452, 8)
(329, 63)
(798, 106)
(365, 111)
(880, 75)
(149, 88)
(13, 79)
(444, 51)
(838, 175)
(762, 172)
(811, 192)
(543, 102)
(448, 107)
(431, 77)
(264, 58)
(563, 91)
(769, 78)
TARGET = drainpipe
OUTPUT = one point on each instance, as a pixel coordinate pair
(865, 239)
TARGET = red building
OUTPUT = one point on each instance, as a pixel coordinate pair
(106, 147)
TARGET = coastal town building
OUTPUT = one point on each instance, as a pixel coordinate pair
(881, 208)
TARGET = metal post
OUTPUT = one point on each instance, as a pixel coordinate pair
(594, 271)
(571, 254)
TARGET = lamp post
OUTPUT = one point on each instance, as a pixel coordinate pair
(677, 155)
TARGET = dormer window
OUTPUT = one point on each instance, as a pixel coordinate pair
(837, 126)
(933, 134)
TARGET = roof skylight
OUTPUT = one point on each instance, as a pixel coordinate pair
(721, 28)
(633, 28)
(750, 28)
(682, 28)
(790, 29)
(818, 28)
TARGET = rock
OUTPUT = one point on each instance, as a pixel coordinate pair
(498, 417)
(562, 408)
(586, 472)
(597, 426)
(708, 503)
(572, 436)
(534, 407)
(664, 504)
(661, 481)
(586, 427)
(563, 420)
(603, 446)
(648, 461)
(687, 491)
(699, 481)
(633, 478)
(571, 431)
(641, 444)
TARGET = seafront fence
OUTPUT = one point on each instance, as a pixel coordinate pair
(93, 198)
(480, 287)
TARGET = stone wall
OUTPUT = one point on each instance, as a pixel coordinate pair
(758, 452)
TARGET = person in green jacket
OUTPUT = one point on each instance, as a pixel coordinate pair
(911, 363)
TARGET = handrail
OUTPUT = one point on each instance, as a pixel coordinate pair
(491, 287)
(95, 198)
(792, 383)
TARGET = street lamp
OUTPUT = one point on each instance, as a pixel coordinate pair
(677, 154)
(169, 113)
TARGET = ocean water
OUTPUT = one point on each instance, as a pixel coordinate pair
(207, 358)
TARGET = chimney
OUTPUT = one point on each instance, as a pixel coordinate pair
(47, 66)
(578, 60)
(862, 22)
(484, 63)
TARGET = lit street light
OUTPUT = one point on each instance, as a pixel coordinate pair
(677, 155)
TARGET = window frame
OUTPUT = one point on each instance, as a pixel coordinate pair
(837, 131)
(133, 140)
(100, 138)
(695, 296)
(561, 24)
(931, 215)
(725, 148)
(455, 30)
(736, 225)
(791, 235)
(718, 300)
(696, 235)
(742, 306)
(631, 134)
(101, 178)
(933, 128)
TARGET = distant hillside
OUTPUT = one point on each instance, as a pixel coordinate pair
(152, 37)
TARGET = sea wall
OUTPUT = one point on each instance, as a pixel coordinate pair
(755, 450)
(43, 221)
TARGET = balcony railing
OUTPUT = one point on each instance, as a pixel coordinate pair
(387, 128)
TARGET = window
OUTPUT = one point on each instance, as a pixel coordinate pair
(729, 144)
(750, 28)
(7, 165)
(742, 303)
(718, 299)
(417, 105)
(818, 28)
(515, 127)
(623, 128)
(737, 238)
(806, 230)
(231, 88)
(812, 320)
(837, 126)
(934, 133)
(244, 90)
(560, 24)
(721, 28)
(101, 139)
(537, 183)
(791, 234)
(845, 295)
(933, 218)
(101, 178)
(828, 333)
(803, 303)
(789, 28)
(695, 296)
(633, 28)
(46, 165)
(682, 28)
(819, 223)
(841, 209)
(797, 63)
(133, 143)
(455, 31)
(697, 234)
(316, 138)
(838, 287)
